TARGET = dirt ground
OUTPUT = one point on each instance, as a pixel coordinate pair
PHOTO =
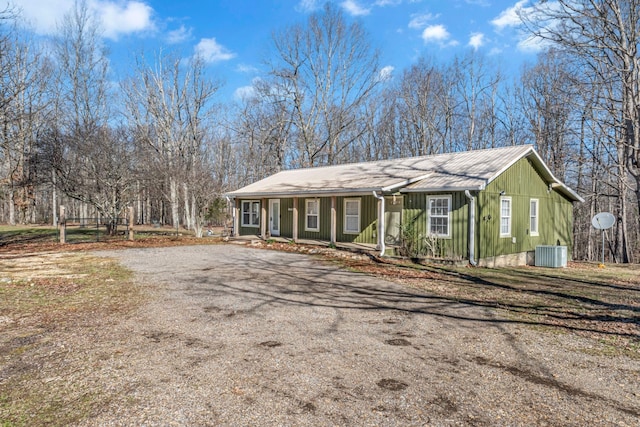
(247, 337)
(237, 336)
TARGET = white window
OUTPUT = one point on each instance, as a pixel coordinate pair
(439, 209)
(533, 217)
(250, 213)
(352, 216)
(505, 216)
(312, 213)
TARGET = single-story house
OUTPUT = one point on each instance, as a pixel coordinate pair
(490, 207)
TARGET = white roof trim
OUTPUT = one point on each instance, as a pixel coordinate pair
(511, 163)
(305, 194)
(555, 182)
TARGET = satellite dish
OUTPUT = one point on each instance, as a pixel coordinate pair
(603, 221)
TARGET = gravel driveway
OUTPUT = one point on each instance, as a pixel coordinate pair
(245, 337)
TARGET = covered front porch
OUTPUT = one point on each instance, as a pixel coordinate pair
(285, 219)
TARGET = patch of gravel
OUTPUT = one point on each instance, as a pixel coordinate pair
(235, 336)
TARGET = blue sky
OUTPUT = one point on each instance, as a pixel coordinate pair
(234, 35)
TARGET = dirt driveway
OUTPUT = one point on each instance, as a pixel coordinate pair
(246, 337)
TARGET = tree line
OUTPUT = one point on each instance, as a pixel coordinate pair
(159, 139)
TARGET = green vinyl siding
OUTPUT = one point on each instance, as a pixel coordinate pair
(414, 222)
(324, 232)
(522, 182)
(249, 231)
(286, 218)
(244, 230)
(368, 220)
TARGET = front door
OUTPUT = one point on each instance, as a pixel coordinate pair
(274, 217)
(392, 219)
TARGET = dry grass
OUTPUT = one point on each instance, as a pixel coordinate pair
(582, 299)
(44, 297)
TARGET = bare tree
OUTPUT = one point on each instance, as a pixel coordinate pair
(10, 90)
(82, 73)
(512, 128)
(602, 36)
(425, 112)
(550, 103)
(99, 172)
(22, 100)
(475, 86)
(381, 139)
(325, 71)
(170, 107)
(263, 130)
(90, 160)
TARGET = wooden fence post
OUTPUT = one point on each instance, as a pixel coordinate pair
(62, 225)
(131, 223)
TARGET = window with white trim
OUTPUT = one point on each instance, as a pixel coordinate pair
(352, 216)
(251, 213)
(438, 218)
(533, 217)
(505, 216)
(312, 215)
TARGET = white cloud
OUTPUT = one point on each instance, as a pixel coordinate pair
(435, 33)
(476, 40)
(123, 18)
(509, 17)
(419, 21)
(306, 6)
(386, 73)
(211, 51)
(244, 93)
(180, 35)
(247, 69)
(353, 8)
(383, 3)
(512, 18)
(118, 17)
(43, 15)
(483, 3)
(532, 44)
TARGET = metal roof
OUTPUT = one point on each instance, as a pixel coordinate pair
(468, 170)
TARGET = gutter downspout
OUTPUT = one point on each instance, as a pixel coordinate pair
(472, 227)
(380, 222)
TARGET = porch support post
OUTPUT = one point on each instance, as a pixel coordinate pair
(236, 218)
(333, 220)
(294, 230)
(263, 218)
(381, 224)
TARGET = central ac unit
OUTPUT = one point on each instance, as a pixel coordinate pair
(551, 256)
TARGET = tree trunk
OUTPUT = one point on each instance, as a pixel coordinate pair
(174, 201)
(54, 199)
(140, 212)
(188, 214)
(198, 219)
(147, 204)
(12, 205)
